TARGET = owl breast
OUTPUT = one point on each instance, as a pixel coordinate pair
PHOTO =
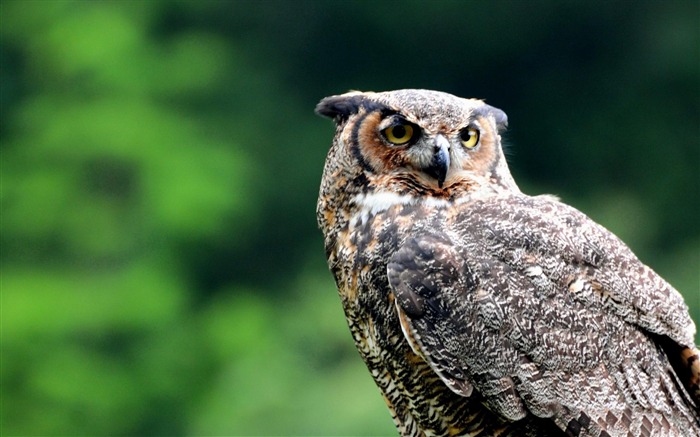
(419, 401)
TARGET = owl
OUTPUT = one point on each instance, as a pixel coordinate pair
(482, 311)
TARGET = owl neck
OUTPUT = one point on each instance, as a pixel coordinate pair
(352, 196)
(362, 196)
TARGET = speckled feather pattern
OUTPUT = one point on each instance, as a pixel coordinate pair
(480, 310)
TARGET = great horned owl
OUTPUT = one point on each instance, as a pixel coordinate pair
(480, 310)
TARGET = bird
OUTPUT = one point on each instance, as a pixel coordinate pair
(483, 311)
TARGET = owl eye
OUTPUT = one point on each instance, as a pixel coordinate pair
(469, 137)
(399, 133)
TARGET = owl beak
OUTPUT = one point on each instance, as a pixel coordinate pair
(441, 160)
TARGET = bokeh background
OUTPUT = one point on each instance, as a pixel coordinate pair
(162, 273)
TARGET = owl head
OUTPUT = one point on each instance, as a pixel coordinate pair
(416, 142)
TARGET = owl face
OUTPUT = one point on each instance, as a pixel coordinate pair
(421, 140)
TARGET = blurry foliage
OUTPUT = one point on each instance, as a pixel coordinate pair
(161, 269)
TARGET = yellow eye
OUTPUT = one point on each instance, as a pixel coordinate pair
(398, 133)
(469, 137)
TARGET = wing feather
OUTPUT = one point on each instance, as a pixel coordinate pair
(543, 311)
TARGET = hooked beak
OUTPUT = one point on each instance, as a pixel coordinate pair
(441, 160)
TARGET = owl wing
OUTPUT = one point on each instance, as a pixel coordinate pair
(545, 312)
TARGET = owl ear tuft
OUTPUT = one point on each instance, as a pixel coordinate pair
(498, 115)
(341, 107)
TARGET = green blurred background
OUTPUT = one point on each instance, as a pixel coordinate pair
(162, 273)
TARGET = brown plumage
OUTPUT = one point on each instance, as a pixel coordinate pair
(480, 310)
